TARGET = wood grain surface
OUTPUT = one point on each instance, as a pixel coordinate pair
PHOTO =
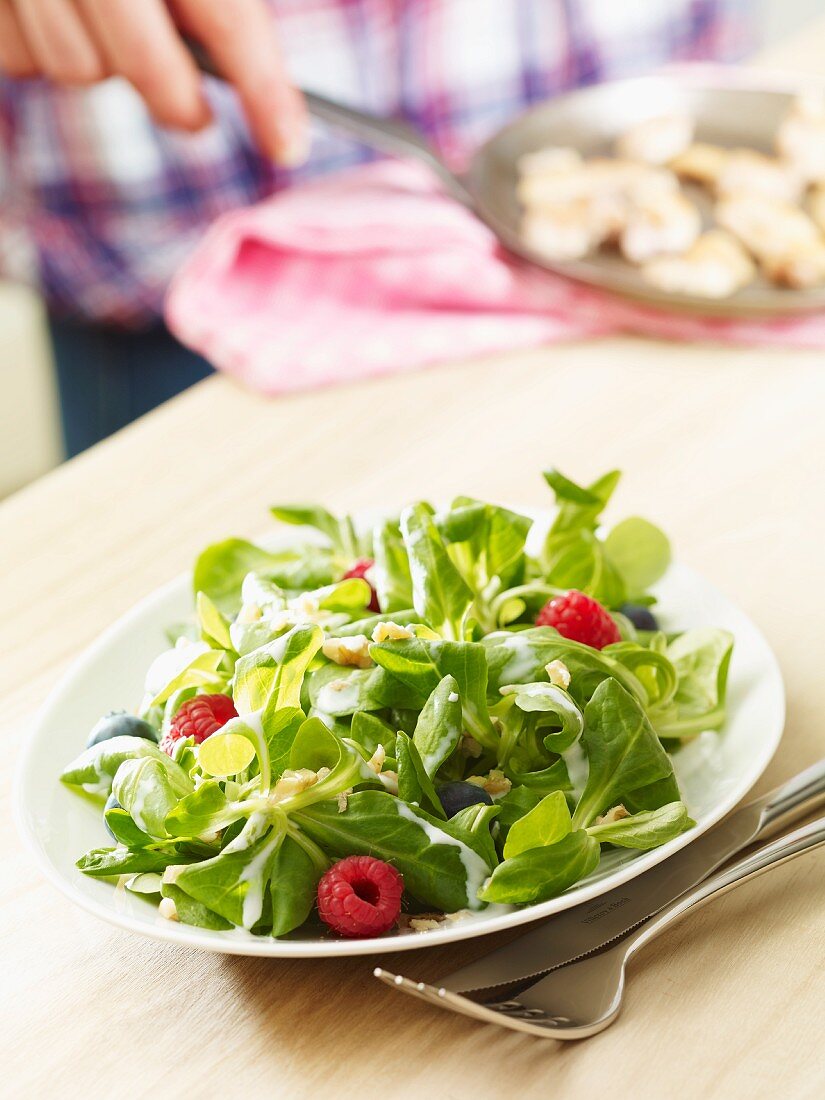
(724, 448)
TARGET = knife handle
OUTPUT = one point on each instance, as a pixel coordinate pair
(799, 796)
(778, 851)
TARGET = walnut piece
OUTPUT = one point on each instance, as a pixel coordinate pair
(353, 652)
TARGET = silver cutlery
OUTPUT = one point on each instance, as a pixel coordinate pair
(585, 928)
(585, 996)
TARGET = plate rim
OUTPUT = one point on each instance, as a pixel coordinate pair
(241, 942)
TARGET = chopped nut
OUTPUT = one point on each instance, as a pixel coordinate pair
(293, 782)
(616, 814)
(470, 747)
(376, 761)
(390, 632)
(424, 924)
(390, 781)
(420, 922)
(353, 652)
(342, 799)
(558, 673)
(494, 784)
(168, 909)
(460, 914)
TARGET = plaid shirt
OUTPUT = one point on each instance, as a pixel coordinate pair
(99, 207)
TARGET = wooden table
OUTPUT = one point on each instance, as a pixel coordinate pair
(723, 447)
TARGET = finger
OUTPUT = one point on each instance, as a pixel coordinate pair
(141, 43)
(16, 59)
(242, 39)
(59, 41)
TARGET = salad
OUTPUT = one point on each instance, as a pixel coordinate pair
(388, 729)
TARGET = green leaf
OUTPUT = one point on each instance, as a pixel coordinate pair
(193, 665)
(314, 747)
(701, 659)
(639, 551)
(214, 626)
(293, 887)
(438, 869)
(441, 596)
(340, 532)
(542, 873)
(221, 568)
(545, 824)
(273, 675)
(439, 725)
(124, 829)
(414, 784)
(96, 767)
(472, 826)
(234, 882)
(644, 830)
(370, 732)
(148, 788)
(623, 751)
(205, 810)
(391, 573)
(422, 664)
(555, 703)
(192, 912)
(106, 862)
(280, 728)
(580, 507)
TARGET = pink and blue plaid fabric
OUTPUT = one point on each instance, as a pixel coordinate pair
(99, 207)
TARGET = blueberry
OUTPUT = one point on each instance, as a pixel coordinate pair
(120, 724)
(641, 617)
(455, 797)
(111, 804)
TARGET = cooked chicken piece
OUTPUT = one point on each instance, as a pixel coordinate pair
(657, 140)
(800, 139)
(802, 269)
(550, 161)
(700, 163)
(747, 172)
(715, 267)
(817, 205)
(600, 176)
(657, 224)
(565, 231)
(766, 227)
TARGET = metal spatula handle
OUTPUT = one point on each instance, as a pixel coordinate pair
(387, 135)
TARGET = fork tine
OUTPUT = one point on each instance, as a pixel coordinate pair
(510, 1014)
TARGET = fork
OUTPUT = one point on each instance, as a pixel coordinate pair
(585, 996)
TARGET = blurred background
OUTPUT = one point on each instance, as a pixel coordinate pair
(30, 442)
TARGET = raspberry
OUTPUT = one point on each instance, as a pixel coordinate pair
(581, 619)
(360, 896)
(360, 569)
(199, 718)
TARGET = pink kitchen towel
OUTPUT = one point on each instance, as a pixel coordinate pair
(376, 271)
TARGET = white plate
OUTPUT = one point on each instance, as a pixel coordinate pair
(714, 772)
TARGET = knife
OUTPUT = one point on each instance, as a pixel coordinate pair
(586, 928)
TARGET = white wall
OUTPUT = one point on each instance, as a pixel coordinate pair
(28, 414)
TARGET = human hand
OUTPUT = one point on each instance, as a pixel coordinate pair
(81, 42)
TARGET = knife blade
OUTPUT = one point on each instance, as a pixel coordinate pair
(586, 928)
